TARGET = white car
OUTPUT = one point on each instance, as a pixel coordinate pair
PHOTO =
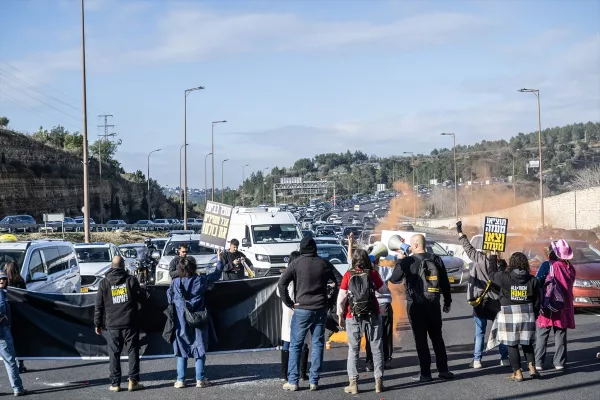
(206, 258)
(326, 240)
(335, 254)
(48, 266)
(94, 261)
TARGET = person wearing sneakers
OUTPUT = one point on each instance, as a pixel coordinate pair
(116, 315)
(311, 276)
(520, 304)
(559, 269)
(489, 306)
(187, 292)
(7, 348)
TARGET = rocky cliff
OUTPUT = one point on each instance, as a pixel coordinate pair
(36, 179)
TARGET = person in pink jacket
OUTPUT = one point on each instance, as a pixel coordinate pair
(563, 271)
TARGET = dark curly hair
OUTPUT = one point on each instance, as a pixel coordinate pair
(518, 260)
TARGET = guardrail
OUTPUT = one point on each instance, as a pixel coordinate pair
(58, 227)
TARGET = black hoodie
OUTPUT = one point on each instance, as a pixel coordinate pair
(117, 300)
(310, 274)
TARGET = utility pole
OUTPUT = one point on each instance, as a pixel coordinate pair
(104, 135)
(86, 195)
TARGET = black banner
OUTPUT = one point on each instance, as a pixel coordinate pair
(215, 225)
(245, 314)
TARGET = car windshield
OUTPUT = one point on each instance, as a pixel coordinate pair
(352, 229)
(91, 255)
(7, 256)
(287, 233)
(129, 252)
(333, 254)
(193, 246)
(6, 220)
(326, 232)
(433, 247)
(160, 244)
(584, 253)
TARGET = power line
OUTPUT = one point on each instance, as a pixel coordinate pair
(18, 102)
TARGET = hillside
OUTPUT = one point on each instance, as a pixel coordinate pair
(36, 178)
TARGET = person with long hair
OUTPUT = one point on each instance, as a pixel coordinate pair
(514, 325)
(358, 311)
(15, 280)
(562, 271)
(187, 291)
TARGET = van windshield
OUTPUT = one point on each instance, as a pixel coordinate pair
(284, 233)
(193, 246)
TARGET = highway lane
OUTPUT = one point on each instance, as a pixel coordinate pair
(254, 375)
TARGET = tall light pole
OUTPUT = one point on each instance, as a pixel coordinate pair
(514, 179)
(243, 180)
(205, 187)
(86, 183)
(213, 156)
(455, 171)
(180, 184)
(223, 180)
(537, 94)
(148, 177)
(416, 194)
(186, 93)
(263, 185)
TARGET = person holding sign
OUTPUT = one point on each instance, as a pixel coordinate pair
(235, 262)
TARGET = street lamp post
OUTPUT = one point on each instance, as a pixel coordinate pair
(514, 178)
(413, 185)
(243, 180)
(205, 188)
(86, 183)
(148, 177)
(536, 92)
(213, 156)
(186, 93)
(455, 172)
(223, 180)
(180, 184)
(263, 185)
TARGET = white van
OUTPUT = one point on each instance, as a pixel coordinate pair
(267, 238)
(48, 266)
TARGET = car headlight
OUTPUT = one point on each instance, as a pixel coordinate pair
(163, 266)
(584, 283)
(263, 258)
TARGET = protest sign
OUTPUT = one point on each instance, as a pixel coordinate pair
(215, 225)
(494, 234)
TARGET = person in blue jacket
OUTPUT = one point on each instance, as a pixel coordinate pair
(189, 288)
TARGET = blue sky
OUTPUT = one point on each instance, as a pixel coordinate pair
(297, 78)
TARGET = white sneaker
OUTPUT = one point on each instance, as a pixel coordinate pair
(539, 368)
(477, 364)
(559, 367)
(179, 385)
(504, 362)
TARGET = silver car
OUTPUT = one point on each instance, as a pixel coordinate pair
(457, 269)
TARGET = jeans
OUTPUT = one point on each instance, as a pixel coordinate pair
(304, 321)
(356, 329)
(7, 351)
(285, 346)
(182, 366)
(480, 327)
(387, 333)
(426, 320)
(117, 339)
(560, 344)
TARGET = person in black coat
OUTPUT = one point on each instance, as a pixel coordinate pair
(234, 260)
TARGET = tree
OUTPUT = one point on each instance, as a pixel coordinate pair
(587, 178)
(4, 122)
(106, 149)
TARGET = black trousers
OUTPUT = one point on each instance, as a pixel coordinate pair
(387, 333)
(515, 357)
(426, 319)
(118, 339)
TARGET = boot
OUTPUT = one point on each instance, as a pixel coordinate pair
(134, 385)
(378, 385)
(285, 357)
(352, 388)
(533, 372)
(304, 363)
(517, 376)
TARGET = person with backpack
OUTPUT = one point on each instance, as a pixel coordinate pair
(483, 296)
(358, 311)
(557, 312)
(515, 322)
(426, 281)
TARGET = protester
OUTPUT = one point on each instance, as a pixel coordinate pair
(520, 304)
(562, 271)
(7, 348)
(15, 280)
(423, 303)
(233, 261)
(358, 311)
(116, 315)
(187, 291)
(488, 299)
(182, 251)
(310, 275)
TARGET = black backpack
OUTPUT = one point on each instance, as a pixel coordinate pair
(427, 285)
(361, 293)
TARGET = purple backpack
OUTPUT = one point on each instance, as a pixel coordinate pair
(554, 295)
